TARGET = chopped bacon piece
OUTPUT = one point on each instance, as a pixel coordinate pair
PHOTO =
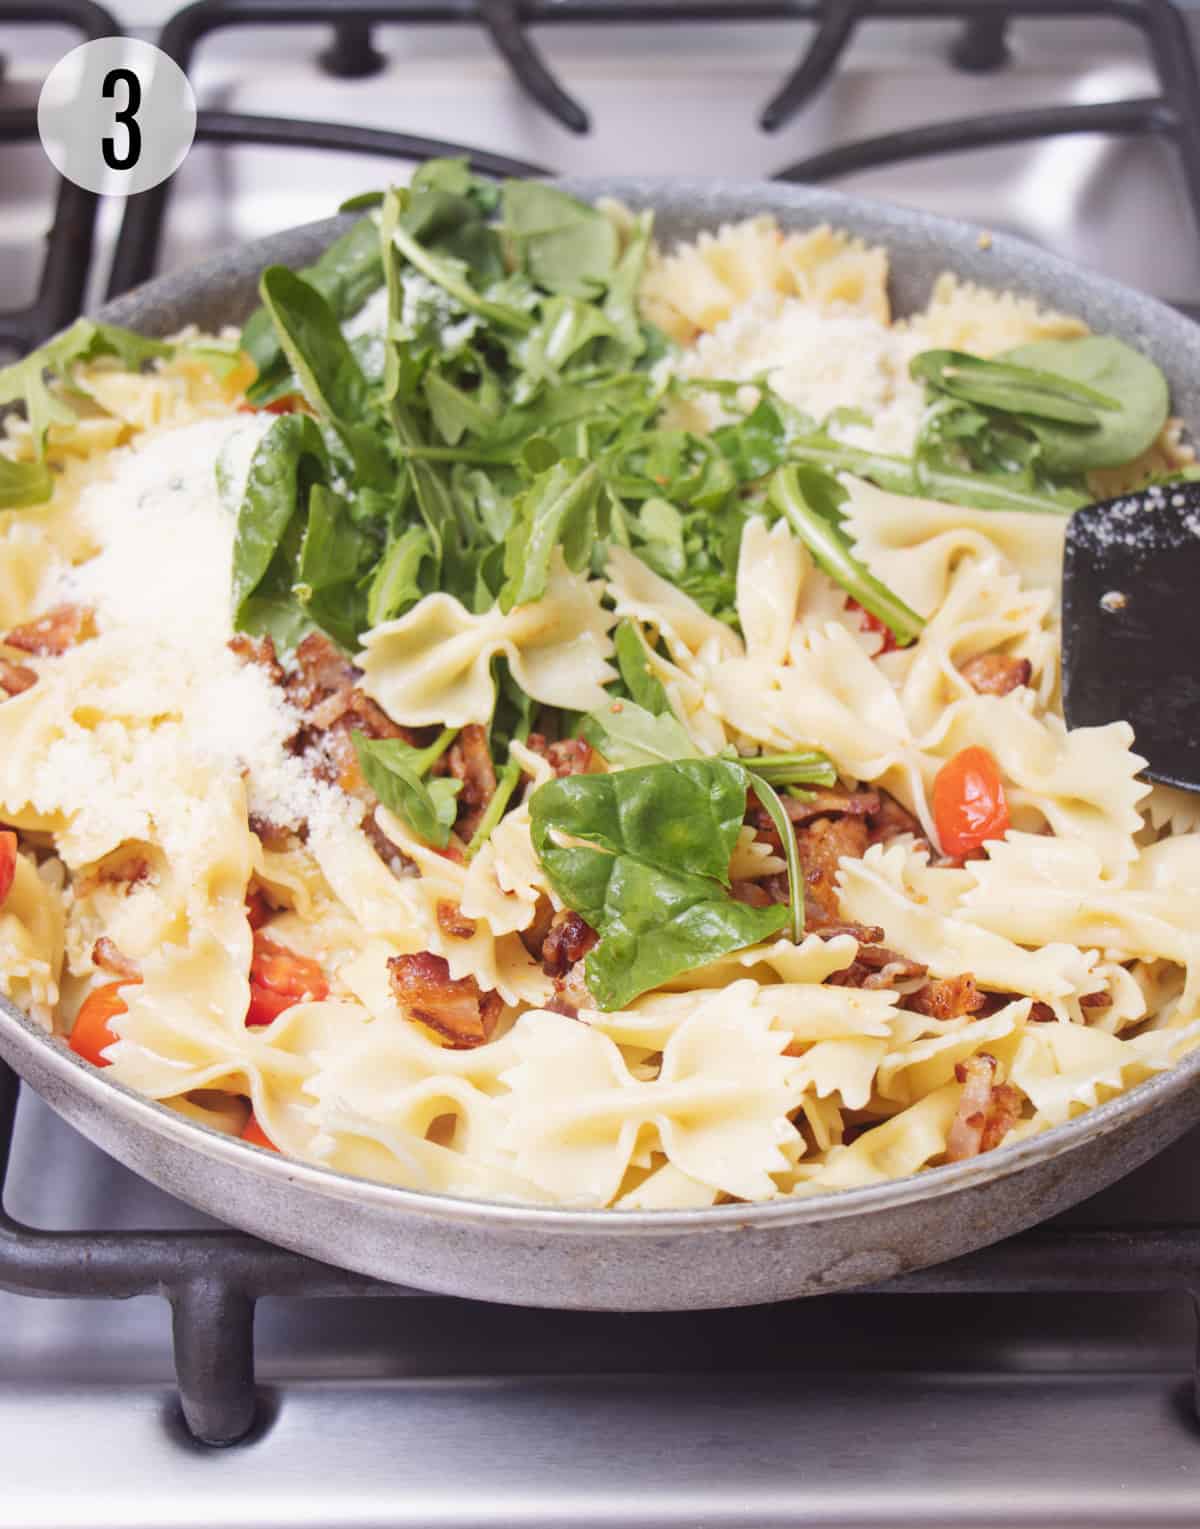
(569, 756)
(15, 678)
(454, 1008)
(52, 633)
(996, 673)
(891, 819)
(571, 993)
(826, 802)
(533, 936)
(260, 651)
(877, 967)
(946, 997)
(321, 670)
(272, 835)
(451, 921)
(470, 761)
(108, 958)
(1100, 1000)
(865, 934)
(568, 941)
(986, 1112)
(392, 856)
(1040, 1013)
(822, 844)
(753, 893)
(8, 863)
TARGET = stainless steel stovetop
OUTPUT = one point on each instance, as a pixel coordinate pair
(859, 1412)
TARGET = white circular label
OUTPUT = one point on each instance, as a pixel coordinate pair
(116, 116)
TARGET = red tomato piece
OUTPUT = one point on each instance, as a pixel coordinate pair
(280, 978)
(8, 863)
(969, 805)
(256, 1136)
(872, 623)
(258, 909)
(91, 1032)
(287, 404)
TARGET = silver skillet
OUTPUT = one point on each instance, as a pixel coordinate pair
(627, 1260)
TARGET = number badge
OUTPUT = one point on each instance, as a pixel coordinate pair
(116, 116)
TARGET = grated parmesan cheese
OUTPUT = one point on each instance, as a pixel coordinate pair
(818, 360)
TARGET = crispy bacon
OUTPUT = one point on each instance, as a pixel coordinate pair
(877, 967)
(533, 936)
(571, 993)
(260, 651)
(996, 673)
(865, 934)
(946, 997)
(454, 1008)
(108, 958)
(321, 670)
(986, 1112)
(451, 920)
(569, 939)
(272, 835)
(891, 819)
(15, 678)
(821, 845)
(1100, 1000)
(569, 756)
(52, 633)
(470, 761)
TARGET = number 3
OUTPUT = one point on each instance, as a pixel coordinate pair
(127, 117)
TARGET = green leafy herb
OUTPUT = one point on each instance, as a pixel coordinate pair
(24, 483)
(393, 770)
(396, 584)
(562, 244)
(633, 660)
(1010, 388)
(655, 885)
(831, 551)
(557, 510)
(627, 734)
(335, 556)
(345, 275)
(774, 809)
(803, 767)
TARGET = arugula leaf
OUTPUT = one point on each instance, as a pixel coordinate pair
(805, 766)
(633, 660)
(1129, 422)
(325, 367)
(397, 584)
(774, 809)
(345, 275)
(558, 509)
(451, 274)
(24, 483)
(454, 411)
(562, 244)
(334, 555)
(628, 735)
(831, 551)
(655, 888)
(1010, 388)
(25, 381)
(392, 769)
(289, 459)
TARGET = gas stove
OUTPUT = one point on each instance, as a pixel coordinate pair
(1049, 1378)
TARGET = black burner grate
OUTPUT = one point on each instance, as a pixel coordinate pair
(69, 242)
(213, 1279)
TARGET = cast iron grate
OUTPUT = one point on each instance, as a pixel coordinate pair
(69, 241)
(213, 1280)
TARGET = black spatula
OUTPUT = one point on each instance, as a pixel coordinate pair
(1131, 624)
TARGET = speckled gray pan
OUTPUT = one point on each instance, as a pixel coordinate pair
(669, 1259)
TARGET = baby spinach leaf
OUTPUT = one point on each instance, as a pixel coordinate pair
(655, 888)
(24, 483)
(454, 411)
(392, 770)
(558, 509)
(290, 457)
(1010, 388)
(397, 583)
(629, 735)
(831, 551)
(562, 244)
(325, 367)
(345, 275)
(334, 554)
(1136, 407)
(633, 660)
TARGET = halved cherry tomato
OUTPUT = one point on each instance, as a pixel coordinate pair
(872, 623)
(288, 403)
(254, 1133)
(280, 978)
(969, 805)
(90, 1033)
(8, 863)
